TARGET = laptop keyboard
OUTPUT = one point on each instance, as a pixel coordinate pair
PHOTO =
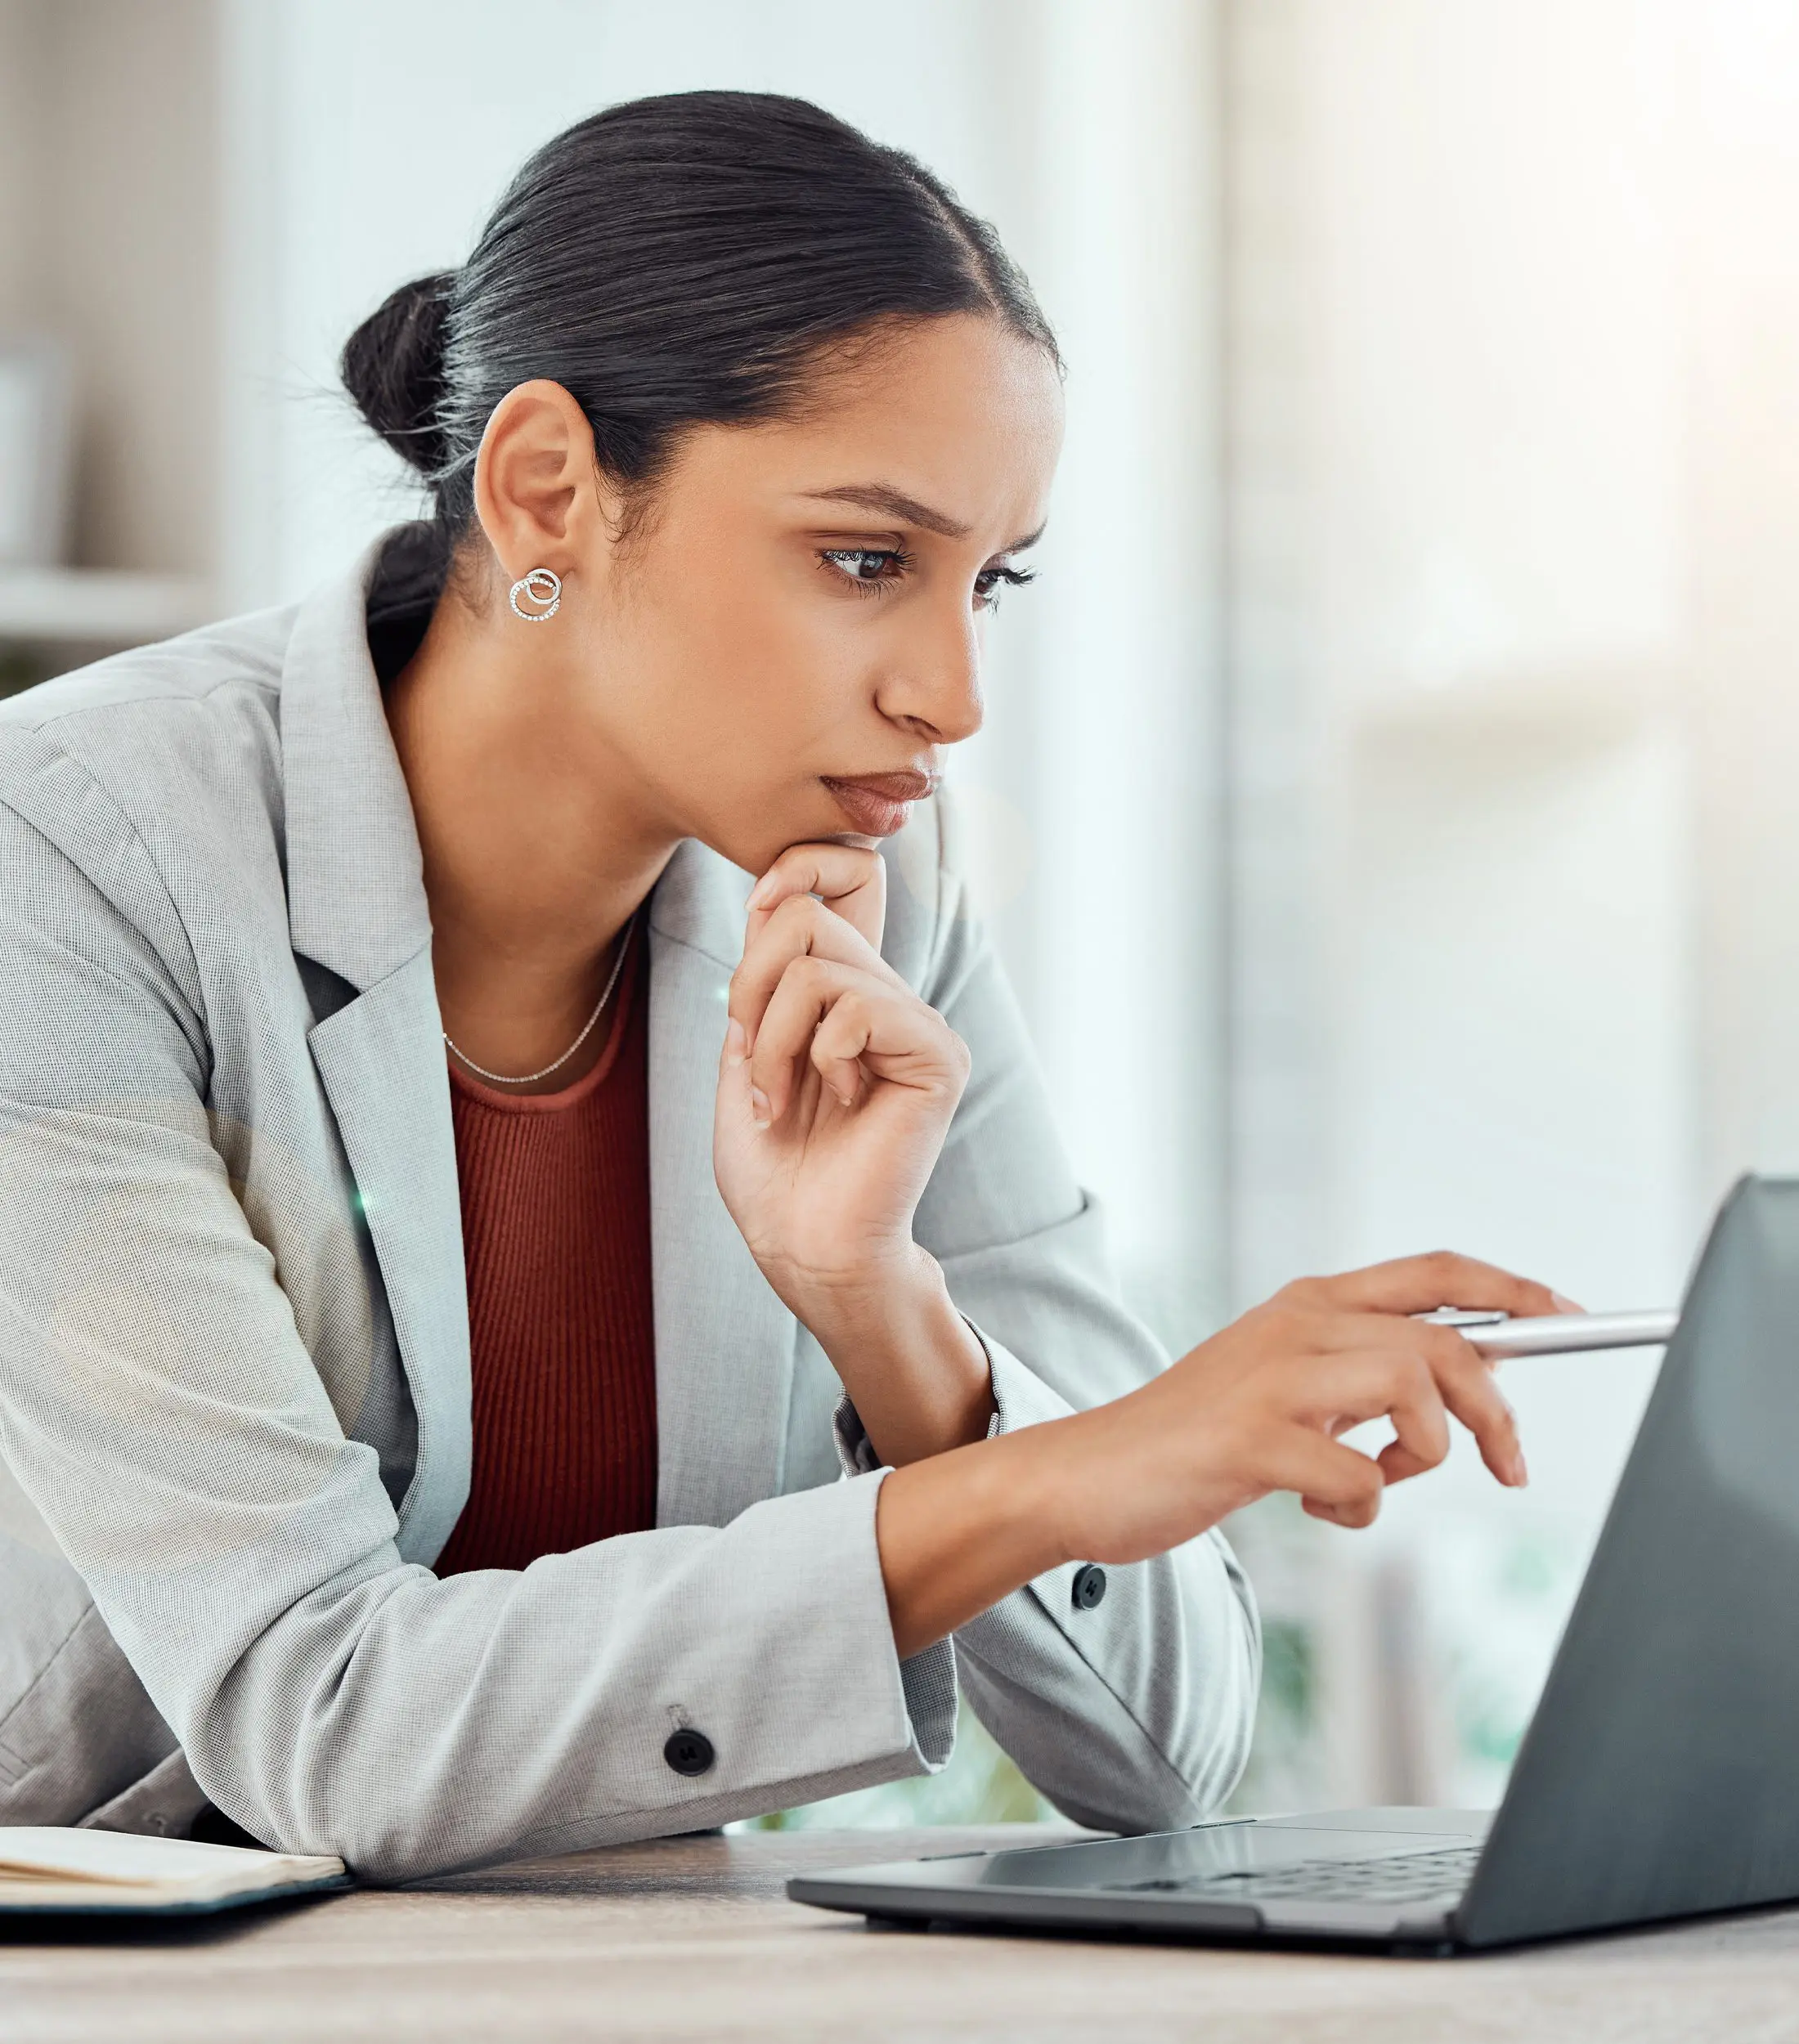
(1405, 1877)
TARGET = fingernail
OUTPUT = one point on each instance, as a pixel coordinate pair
(1565, 1305)
(1521, 1475)
(759, 1106)
(763, 889)
(737, 1042)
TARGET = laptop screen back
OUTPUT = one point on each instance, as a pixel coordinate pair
(1660, 1776)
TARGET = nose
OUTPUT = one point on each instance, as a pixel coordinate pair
(933, 689)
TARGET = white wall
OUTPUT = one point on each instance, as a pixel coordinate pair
(367, 145)
(1104, 754)
(1459, 580)
(1513, 435)
(1740, 227)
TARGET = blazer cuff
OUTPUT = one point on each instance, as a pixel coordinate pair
(1021, 1399)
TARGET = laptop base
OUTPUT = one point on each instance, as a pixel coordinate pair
(1385, 1878)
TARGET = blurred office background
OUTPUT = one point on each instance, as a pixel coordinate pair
(1386, 807)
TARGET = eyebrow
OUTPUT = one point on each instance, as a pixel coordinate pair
(894, 503)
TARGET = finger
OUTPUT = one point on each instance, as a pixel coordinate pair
(799, 928)
(808, 990)
(1422, 1284)
(735, 1107)
(851, 882)
(1333, 1482)
(794, 1011)
(1354, 1334)
(1355, 1517)
(1395, 1384)
(844, 1035)
(871, 1030)
(1466, 1383)
(1463, 1378)
(741, 1102)
(886, 1032)
(1399, 1463)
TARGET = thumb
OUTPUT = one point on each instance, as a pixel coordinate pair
(850, 879)
(735, 1110)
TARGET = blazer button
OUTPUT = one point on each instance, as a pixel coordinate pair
(688, 1751)
(1089, 1586)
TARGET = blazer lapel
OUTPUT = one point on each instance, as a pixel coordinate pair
(381, 1062)
(356, 905)
(725, 1342)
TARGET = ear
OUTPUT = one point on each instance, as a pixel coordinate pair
(537, 488)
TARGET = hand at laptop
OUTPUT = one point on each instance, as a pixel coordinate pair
(1261, 1405)
(1258, 1407)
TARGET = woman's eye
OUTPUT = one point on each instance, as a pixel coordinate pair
(873, 567)
(991, 580)
(867, 564)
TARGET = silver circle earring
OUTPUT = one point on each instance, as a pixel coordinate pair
(542, 586)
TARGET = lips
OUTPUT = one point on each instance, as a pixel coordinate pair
(878, 805)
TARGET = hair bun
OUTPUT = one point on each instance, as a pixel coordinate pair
(392, 366)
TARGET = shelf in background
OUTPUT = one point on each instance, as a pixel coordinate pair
(97, 606)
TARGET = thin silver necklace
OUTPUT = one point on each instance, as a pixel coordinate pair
(530, 1078)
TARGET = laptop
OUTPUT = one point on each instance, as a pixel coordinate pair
(1660, 1774)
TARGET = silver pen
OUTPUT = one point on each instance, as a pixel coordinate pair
(1497, 1336)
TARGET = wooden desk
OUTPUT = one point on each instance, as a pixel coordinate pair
(691, 1940)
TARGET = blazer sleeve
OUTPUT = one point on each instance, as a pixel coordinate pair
(159, 1408)
(1135, 1713)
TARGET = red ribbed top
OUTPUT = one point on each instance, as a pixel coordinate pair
(555, 1232)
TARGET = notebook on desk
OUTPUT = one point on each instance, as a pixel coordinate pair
(44, 1869)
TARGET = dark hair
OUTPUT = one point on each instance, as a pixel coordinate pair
(673, 262)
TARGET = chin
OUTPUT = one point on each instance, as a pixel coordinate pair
(755, 847)
(754, 841)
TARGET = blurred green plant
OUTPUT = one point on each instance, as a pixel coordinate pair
(1498, 1603)
(1286, 1710)
(978, 1785)
(1277, 1547)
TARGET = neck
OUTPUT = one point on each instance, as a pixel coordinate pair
(537, 846)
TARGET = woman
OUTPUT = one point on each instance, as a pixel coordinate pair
(454, 1230)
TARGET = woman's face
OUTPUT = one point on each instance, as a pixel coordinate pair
(788, 641)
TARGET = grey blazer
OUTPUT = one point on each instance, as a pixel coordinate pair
(234, 1347)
